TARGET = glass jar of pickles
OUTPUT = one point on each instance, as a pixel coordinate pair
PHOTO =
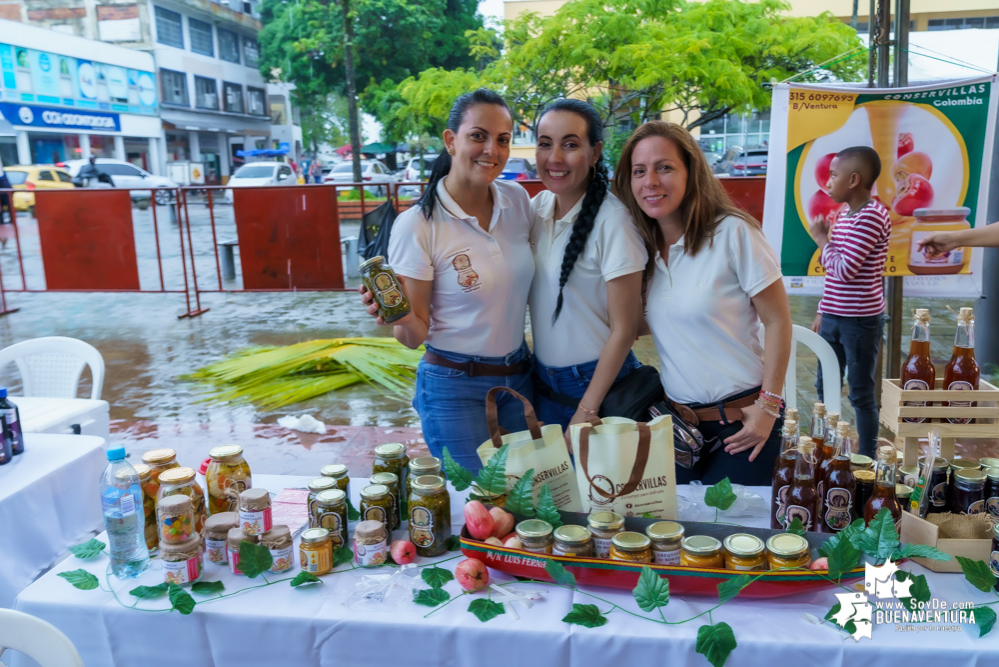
(787, 550)
(376, 504)
(666, 537)
(180, 481)
(228, 475)
(536, 536)
(217, 529)
(701, 551)
(338, 471)
(391, 457)
(385, 288)
(183, 562)
(148, 506)
(632, 547)
(429, 515)
(604, 526)
(421, 465)
(159, 460)
(315, 551)
(390, 481)
(572, 540)
(317, 486)
(744, 552)
(331, 514)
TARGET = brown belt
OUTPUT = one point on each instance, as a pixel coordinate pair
(733, 411)
(476, 369)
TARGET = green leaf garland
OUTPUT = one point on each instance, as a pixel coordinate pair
(850, 626)
(843, 557)
(436, 577)
(492, 477)
(486, 610)
(352, 513)
(559, 574)
(254, 559)
(720, 495)
(879, 540)
(519, 499)
(830, 544)
(729, 588)
(149, 592)
(180, 599)
(431, 597)
(207, 587)
(88, 549)
(80, 579)
(586, 615)
(918, 592)
(795, 527)
(652, 590)
(546, 508)
(453, 543)
(985, 618)
(978, 574)
(715, 642)
(921, 551)
(303, 578)
(340, 556)
(460, 478)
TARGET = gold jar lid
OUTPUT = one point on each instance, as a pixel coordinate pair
(701, 545)
(743, 544)
(426, 483)
(628, 540)
(225, 453)
(909, 470)
(331, 497)
(938, 463)
(177, 476)
(902, 491)
(315, 536)
(966, 464)
(423, 465)
(145, 472)
(391, 450)
(572, 534)
(989, 463)
(334, 470)
(969, 475)
(861, 461)
(321, 484)
(787, 545)
(992, 474)
(866, 476)
(533, 529)
(385, 478)
(605, 520)
(158, 456)
(371, 491)
(378, 260)
(664, 530)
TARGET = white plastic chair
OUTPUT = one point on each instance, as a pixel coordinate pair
(51, 366)
(37, 639)
(830, 369)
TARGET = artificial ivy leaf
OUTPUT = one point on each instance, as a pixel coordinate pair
(648, 515)
(149, 592)
(340, 556)
(431, 597)
(546, 508)
(921, 551)
(652, 590)
(559, 574)
(985, 618)
(715, 642)
(729, 588)
(844, 534)
(795, 527)
(977, 573)
(586, 615)
(918, 592)
(720, 495)
(850, 626)
(453, 543)
(519, 499)
(436, 577)
(492, 477)
(88, 549)
(80, 579)
(460, 478)
(486, 610)
(352, 513)
(879, 540)
(181, 600)
(843, 557)
(303, 578)
(254, 559)
(207, 587)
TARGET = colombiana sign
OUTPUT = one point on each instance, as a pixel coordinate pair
(35, 116)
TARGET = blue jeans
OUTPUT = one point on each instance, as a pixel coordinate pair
(571, 381)
(452, 405)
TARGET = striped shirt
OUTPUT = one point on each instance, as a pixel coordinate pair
(854, 259)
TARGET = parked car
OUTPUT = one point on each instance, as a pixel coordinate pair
(127, 175)
(260, 173)
(36, 177)
(412, 174)
(518, 169)
(372, 171)
(743, 162)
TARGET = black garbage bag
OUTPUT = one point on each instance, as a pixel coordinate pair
(376, 226)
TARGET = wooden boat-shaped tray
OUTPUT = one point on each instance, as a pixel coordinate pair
(682, 580)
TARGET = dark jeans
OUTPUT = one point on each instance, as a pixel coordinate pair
(572, 381)
(856, 341)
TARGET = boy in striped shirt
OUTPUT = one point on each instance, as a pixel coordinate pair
(850, 316)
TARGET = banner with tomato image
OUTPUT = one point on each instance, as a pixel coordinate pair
(935, 145)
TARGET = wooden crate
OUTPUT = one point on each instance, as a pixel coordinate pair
(985, 413)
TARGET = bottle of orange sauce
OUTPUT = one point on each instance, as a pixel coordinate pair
(962, 372)
(918, 372)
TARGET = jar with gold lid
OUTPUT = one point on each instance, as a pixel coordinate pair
(390, 481)
(183, 562)
(429, 515)
(421, 465)
(315, 487)
(744, 552)
(604, 526)
(180, 481)
(159, 460)
(217, 529)
(391, 457)
(632, 547)
(376, 504)
(989, 463)
(148, 505)
(787, 550)
(278, 541)
(331, 514)
(315, 552)
(701, 551)
(572, 540)
(861, 462)
(339, 472)
(228, 475)
(666, 537)
(536, 536)
(968, 496)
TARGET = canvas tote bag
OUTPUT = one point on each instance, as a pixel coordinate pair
(539, 447)
(626, 466)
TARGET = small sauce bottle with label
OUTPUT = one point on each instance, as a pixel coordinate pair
(962, 372)
(918, 373)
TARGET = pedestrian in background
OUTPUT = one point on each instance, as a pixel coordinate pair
(316, 171)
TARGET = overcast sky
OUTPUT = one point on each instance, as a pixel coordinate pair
(492, 8)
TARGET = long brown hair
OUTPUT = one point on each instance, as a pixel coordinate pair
(705, 202)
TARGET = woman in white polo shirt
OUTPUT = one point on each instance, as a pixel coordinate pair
(586, 296)
(463, 258)
(713, 280)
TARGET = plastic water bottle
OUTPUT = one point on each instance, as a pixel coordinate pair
(121, 502)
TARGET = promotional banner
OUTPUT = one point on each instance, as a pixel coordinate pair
(935, 145)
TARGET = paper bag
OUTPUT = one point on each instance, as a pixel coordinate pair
(626, 466)
(540, 447)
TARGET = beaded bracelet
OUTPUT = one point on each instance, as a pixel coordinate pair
(777, 397)
(767, 408)
(587, 410)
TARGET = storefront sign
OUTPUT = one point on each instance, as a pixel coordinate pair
(33, 116)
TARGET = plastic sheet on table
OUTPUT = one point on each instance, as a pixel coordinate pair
(691, 505)
(382, 591)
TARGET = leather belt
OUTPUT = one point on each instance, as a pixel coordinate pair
(732, 411)
(476, 369)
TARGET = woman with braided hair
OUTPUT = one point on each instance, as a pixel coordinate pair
(585, 301)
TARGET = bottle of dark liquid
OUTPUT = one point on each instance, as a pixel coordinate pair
(884, 487)
(12, 423)
(840, 484)
(783, 474)
(802, 498)
(962, 372)
(918, 373)
(823, 455)
(6, 445)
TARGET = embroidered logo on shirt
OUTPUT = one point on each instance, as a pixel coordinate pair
(467, 277)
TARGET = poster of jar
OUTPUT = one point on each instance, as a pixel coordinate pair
(935, 145)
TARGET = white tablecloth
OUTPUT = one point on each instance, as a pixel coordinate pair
(49, 500)
(312, 626)
(57, 415)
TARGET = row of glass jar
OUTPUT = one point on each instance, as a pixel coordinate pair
(663, 543)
